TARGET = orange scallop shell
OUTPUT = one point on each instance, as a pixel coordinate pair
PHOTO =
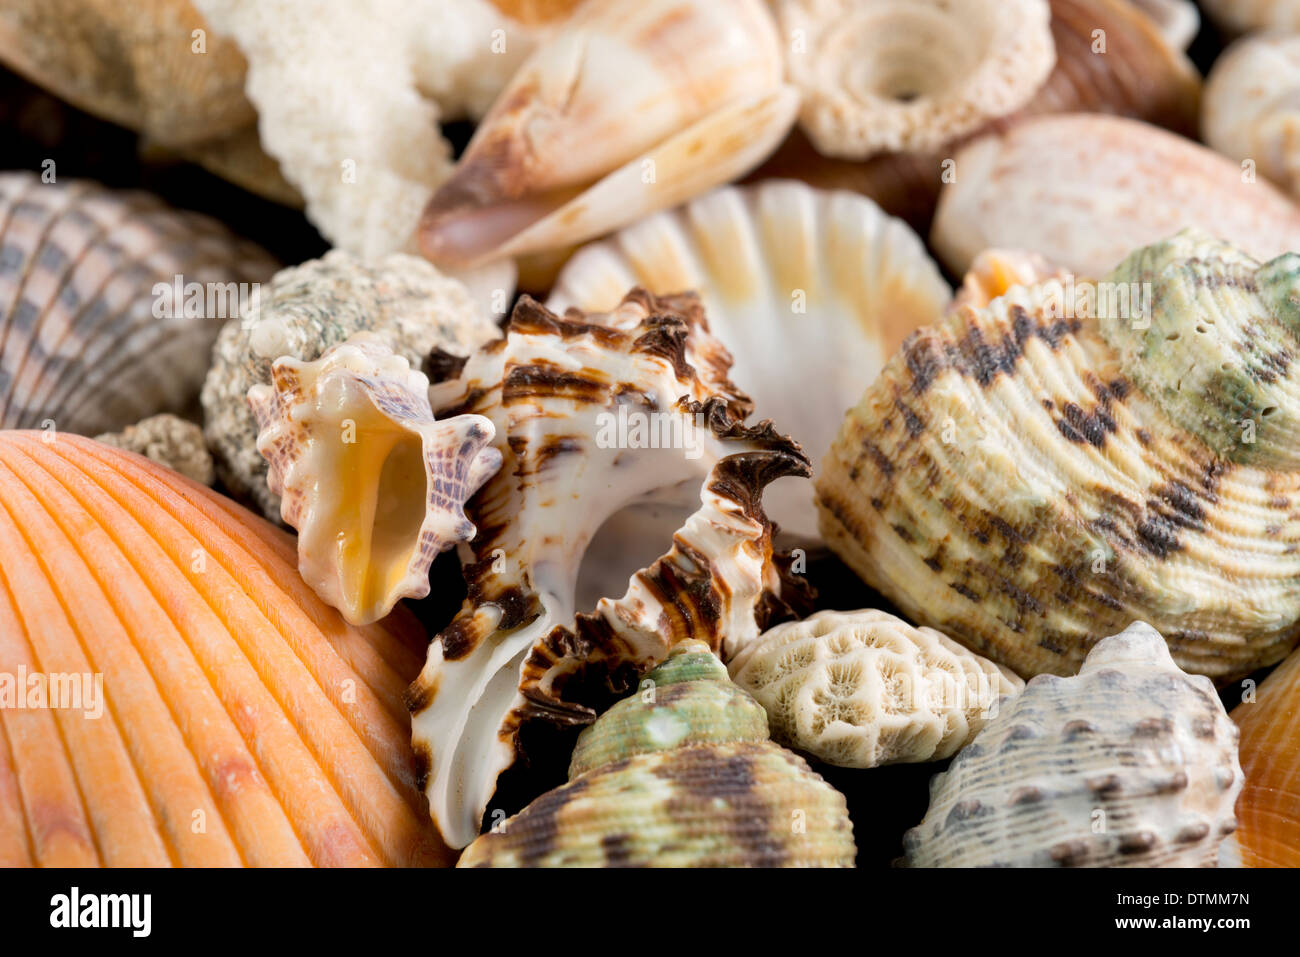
(243, 721)
(1268, 811)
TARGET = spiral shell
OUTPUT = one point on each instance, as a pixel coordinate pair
(1131, 763)
(681, 774)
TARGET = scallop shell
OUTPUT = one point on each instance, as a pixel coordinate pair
(592, 414)
(1131, 763)
(375, 487)
(170, 441)
(305, 310)
(1084, 190)
(1240, 16)
(882, 76)
(1250, 110)
(811, 291)
(1032, 475)
(633, 107)
(240, 720)
(1269, 809)
(681, 774)
(90, 337)
(861, 689)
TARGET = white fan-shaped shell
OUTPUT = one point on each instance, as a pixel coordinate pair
(811, 291)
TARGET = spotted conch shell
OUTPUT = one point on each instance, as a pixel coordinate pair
(375, 487)
(861, 689)
(1033, 474)
(1131, 763)
(681, 774)
(593, 414)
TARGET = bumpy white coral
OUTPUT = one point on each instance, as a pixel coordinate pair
(169, 440)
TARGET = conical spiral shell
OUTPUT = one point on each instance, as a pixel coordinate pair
(243, 721)
(1131, 763)
(681, 774)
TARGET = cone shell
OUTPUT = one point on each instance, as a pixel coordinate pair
(1241, 16)
(861, 689)
(1131, 763)
(92, 337)
(242, 721)
(881, 76)
(1250, 110)
(1269, 809)
(375, 487)
(811, 291)
(1028, 476)
(679, 775)
(1084, 190)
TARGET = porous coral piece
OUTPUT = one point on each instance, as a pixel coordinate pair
(169, 440)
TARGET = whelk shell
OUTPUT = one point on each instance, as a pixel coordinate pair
(861, 689)
(882, 76)
(681, 774)
(375, 487)
(592, 414)
(1131, 763)
(811, 291)
(243, 721)
(87, 343)
(633, 107)
(1083, 190)
(1029, 476)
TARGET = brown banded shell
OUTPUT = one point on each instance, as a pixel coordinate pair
(1131, 763)
(680, 774)
(92, 334)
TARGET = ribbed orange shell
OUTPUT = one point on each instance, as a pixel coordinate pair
(1268, 811)
(244, 721)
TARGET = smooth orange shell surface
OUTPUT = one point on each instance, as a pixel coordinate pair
(1268, 811)
(243, 721)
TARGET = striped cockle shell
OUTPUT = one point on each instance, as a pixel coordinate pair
(592, 414)
(680, 774)
(810, 289)
(1131, 763)
(375, 487)
(861, 689)
(1032, 475)
(91, 337)
(308, 308)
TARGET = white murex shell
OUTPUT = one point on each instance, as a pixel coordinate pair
(1130, 763)
(811, 290)
(861, 689)
(374, 485)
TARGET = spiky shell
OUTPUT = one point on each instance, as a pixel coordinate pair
(679, 775)
(243, 721)
(861, 689)
(375, 487)
(811, 290)
(305, 310)
(592, 414)
(1085, 190)
(1028, 477)
(91, 339)
(1131, 763)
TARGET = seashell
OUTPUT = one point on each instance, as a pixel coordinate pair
(1140, 76)
(1084, 190)
(375, 487)
(861, 689)
(995, 271)
(632, 108)
(1029, 475)
(1131, 763)
(592, 414)
(1269, 808)
(216, 689)
(167, 440)
(1177, 20)
(825, 274)
(1249, 111)
(1240, 16)
(538, 12)
(882, 76)
(308, 308)
(681, 774)
(92, 336)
